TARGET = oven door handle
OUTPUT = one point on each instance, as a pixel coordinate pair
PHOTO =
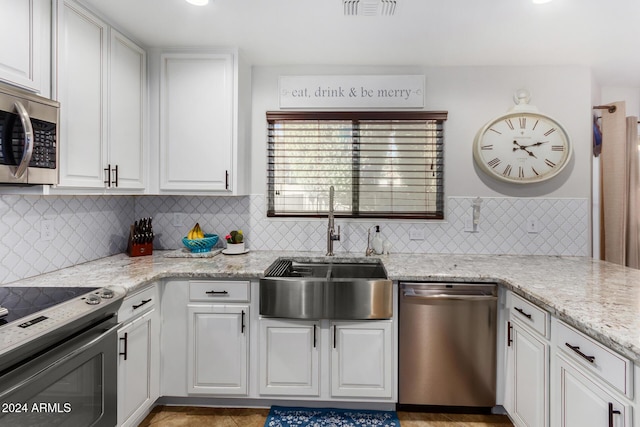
(88, 343)
(28, 140)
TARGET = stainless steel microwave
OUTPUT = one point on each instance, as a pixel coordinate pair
(28, 138)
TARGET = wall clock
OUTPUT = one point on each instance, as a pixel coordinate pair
(522, 146)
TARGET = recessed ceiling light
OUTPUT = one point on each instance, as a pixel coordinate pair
(199, 2)
(540, 1)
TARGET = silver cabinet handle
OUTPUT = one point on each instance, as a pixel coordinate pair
(28, 140)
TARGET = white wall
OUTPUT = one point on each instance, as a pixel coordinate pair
(472, 96)
(630, 95)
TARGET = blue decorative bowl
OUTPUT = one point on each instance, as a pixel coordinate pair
(201, 245)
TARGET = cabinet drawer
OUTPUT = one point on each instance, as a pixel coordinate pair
(528, 314)
(138, 303)
(605, 363)
(214, 290)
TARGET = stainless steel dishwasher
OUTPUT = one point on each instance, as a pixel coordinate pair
(447, 353)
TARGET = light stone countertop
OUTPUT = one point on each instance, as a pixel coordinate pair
(599, 298)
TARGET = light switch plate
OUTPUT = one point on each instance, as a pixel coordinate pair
(178, 219)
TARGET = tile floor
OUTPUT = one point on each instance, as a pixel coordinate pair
(179, 416)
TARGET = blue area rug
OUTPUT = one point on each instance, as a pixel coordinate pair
(281, 416)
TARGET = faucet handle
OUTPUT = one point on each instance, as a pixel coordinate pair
(336, 236)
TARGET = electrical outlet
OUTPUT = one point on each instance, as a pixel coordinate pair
(468, 226)
(178, 219)
(533, 226)
(47, 229)
(416, 234)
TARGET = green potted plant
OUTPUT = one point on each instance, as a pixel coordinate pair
(235, 242)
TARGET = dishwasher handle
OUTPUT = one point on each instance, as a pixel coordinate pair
(411, 293)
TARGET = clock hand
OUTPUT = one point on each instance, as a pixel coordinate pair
(524, 148)
(537, 144)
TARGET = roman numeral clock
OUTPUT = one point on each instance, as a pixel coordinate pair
(522, 146)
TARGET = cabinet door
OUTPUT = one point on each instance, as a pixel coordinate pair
(82, 58)
(583, 402)
(137, 368)
(127, 88)
(218, 337)
(196, 114)
(361, 359)
(289, 357)
(21, 32)
(527, 378)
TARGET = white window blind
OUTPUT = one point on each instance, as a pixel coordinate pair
(381, 164)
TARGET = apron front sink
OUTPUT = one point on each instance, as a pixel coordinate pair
(326, 290)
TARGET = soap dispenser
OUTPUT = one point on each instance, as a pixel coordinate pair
(377, 241)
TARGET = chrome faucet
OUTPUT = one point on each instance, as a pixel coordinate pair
(331, 231)
(369, 251)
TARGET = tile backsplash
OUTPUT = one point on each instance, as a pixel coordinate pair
(84, 228)
(91, 227)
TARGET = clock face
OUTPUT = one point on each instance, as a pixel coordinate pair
(522, 147)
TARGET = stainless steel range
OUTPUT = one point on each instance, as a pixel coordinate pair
(58, 355)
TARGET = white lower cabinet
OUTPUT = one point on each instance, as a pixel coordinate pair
(581, 401)
(138, 360)
(592, 385)
(206, 338)
(360, 356)
(527, 378)
(289, 354)
(527, 364)
(217, 347)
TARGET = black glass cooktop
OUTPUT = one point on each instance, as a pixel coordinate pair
(23, 301)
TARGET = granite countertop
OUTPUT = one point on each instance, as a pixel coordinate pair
(599, 298)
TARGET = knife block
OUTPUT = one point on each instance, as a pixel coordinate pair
(138, 249)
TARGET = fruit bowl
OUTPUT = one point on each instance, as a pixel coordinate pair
(201, 245)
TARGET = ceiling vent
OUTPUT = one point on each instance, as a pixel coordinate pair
(370, 7)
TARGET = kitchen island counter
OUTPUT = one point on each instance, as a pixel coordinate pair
(599, 298)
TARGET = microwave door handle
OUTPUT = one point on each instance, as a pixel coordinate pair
(28, 140)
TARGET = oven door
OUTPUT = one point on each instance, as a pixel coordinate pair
(74, 384)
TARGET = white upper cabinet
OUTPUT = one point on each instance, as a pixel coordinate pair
(200, 150)
(82, 61)
(127, 101)
(25, 51)
(101, 86)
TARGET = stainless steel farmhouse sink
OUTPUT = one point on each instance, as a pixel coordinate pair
(326, 290)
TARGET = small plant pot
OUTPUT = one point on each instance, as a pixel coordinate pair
(235, 248)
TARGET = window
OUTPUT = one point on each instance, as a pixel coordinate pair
(381, 164)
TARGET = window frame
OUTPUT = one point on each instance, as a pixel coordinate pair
(440, 116)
